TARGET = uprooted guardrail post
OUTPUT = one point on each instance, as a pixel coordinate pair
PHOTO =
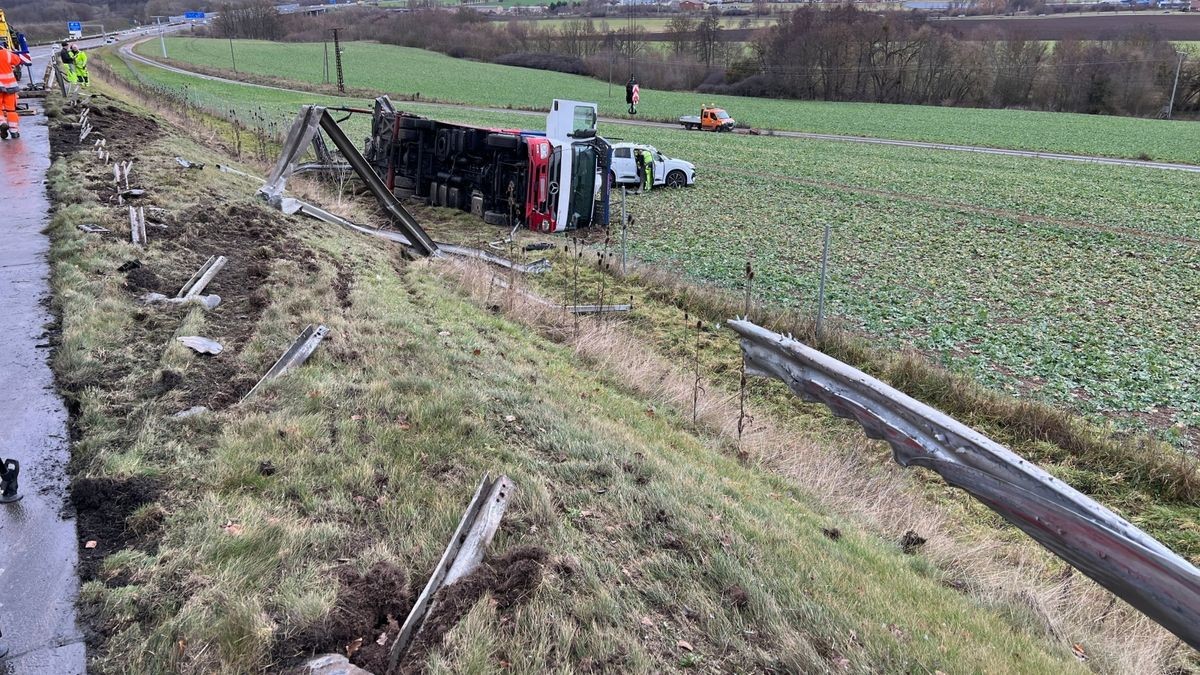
(314, 118)
(1109, 549)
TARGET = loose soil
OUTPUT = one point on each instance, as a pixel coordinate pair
(510, 578)
(124, 132)
(103, 507)
(369, 606)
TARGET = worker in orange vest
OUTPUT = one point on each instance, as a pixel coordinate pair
(9, 121)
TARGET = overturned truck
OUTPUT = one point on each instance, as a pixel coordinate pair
(548, 181)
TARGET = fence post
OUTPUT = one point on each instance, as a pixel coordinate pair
(624, 228)
(821, 284)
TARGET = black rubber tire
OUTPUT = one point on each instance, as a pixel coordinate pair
(676, 179)
(417, 123)
(502, 141)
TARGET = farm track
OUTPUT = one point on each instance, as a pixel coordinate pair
(127, 51)
(967, 208)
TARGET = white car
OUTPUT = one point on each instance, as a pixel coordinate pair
(667, 170)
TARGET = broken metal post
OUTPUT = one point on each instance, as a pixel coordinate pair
(1112, 551)
(201, 278)
(470, 538)
(299, 351)
(137, 225)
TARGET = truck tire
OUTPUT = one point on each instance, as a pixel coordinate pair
(417, 123)
(503, 141)
(676, 179)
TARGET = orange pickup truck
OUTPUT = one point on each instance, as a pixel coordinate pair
(710, 119)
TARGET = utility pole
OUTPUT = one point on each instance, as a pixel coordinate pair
(161, 40)
(231, 56)
(326, 80)
(337, 55)
(1175, 87)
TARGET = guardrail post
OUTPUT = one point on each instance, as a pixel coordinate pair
(821, 284)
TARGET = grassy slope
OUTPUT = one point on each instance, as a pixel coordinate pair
(407, 71)
(1022, 307)
(376, 443)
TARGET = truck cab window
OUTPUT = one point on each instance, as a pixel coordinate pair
(623, 153)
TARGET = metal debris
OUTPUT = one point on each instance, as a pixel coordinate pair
(1109, 549)
(206, 301)
(188, 165)
(462, 555)
(202, 277)
(199, 344)
(299, 351)
(91, 229)
(598, 309)
(191, 412)
(137, 225)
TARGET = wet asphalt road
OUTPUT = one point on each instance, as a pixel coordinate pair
(38, 582)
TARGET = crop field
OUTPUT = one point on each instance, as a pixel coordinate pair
(1072, 283)
(400, 70)
(1035, 277)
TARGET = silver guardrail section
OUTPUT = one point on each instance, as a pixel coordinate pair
(1109, 549)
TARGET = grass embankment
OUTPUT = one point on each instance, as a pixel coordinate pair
(240, 539)
(405, 71)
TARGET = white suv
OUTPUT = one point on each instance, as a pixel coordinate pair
(667, 171)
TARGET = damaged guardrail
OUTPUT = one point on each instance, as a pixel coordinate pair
(304, 131)
(1112, 551)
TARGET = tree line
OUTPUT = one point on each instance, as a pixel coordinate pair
(836, 54)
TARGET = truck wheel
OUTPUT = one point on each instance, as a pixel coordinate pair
(502, 141)
(676, 179)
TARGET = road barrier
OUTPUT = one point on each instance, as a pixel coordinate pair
(1109, 549)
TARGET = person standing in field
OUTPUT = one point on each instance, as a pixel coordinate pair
(640, 163)
(10, 122)
(68, 63)
(648, 161)
(81, 71)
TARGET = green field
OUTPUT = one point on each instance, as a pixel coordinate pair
(1073, 283)
(405, 71)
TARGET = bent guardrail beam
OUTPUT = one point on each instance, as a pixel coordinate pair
(303, 132)
(1109, 549)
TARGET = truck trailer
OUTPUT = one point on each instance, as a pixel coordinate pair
(548, 181)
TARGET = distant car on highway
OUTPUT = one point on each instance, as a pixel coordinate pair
(668, 171)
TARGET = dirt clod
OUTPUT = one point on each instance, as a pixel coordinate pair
(832, 532)
(910, 542)
(737, 596)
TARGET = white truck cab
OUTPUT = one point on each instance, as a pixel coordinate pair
(668, 171)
